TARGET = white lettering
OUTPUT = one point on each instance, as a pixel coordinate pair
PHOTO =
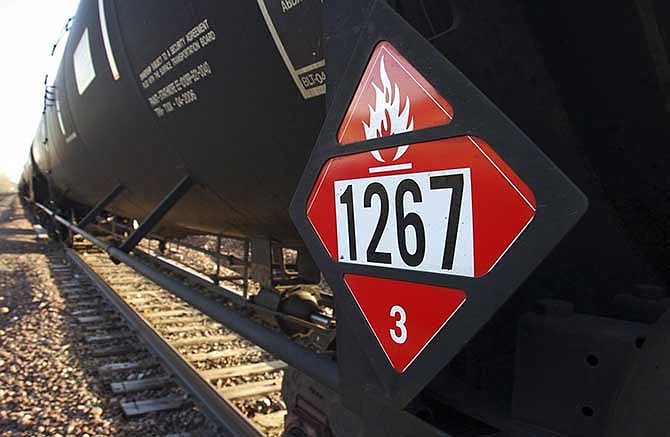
(287, 5)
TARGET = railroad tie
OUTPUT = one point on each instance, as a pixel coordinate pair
(140, 297)
(140, 384)
(194, 341)
(113, 350)
(179, 319)
(135, 295)
(216, 355)
(94, 319)
(191, 328)
(170, 313)
(74, 297)
(72, 289)
(128, 365)
(251, 389)
(135, 408)
(243, 370)
(108, 337)
(97, 301)
(91, 311)
(107, 325)
(83, 312)
(143, 298)
(165, 306)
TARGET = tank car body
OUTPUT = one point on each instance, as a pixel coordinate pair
(144, 96)
(232, 95)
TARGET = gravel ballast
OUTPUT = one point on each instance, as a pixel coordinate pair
(48, 384)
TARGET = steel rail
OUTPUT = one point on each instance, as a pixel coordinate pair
(321, 367)
(213, 405)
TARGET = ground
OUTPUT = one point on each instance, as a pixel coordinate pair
(45, 387)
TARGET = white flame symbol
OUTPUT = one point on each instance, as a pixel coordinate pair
(386, 118)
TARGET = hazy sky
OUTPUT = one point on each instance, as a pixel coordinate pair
(28, 31)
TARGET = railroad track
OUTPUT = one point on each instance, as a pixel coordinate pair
(184, 358)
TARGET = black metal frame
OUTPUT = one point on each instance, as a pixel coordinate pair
(231, 262)
(231, 295)
(367, 381)
(101, 206)
(316, 321)
(157, 214)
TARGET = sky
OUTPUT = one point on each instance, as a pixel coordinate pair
(28, 31)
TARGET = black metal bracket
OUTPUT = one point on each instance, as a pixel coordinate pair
(157, 214)
(97, 209)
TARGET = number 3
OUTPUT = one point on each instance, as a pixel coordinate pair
(400, 324)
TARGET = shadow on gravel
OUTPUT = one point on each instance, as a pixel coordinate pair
(17, 241)
(9, 210)
(18, 292)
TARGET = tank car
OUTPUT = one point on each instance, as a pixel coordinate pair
(145, 96)
(231, 98)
